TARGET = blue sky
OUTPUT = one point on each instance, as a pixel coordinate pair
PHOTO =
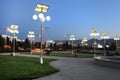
(76, 17)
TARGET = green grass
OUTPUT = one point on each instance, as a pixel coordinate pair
(24, 68)
(81, 55)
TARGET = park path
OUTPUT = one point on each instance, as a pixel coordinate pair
(79, 69)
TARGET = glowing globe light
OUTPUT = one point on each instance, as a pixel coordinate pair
(35, 17)
(48, 18)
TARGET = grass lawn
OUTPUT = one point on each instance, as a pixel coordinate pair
(24, 68)
(81, 55)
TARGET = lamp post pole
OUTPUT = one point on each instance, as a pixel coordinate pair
(116, 38)
(31, 37)
(41, 9)
(95, 34)
(14, 44)
(46, 29)
(6, 33)
(72, 46)
(72, 37)
(104, 37)
(41, 29)
(84, 41)
(104, 47)
(94, 44)
(14, 29)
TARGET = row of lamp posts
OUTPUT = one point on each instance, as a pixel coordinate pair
(41, 9)
(94, 33)
(14, 28)
(104, 37)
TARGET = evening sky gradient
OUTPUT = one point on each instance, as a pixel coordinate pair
(76, 17)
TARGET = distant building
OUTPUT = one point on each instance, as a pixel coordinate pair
(99, 46)
(11, 38)
(59, 43)
(49, 42)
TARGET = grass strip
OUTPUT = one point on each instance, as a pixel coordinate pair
(24, 68)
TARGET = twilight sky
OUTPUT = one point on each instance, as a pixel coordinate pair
(76, 17)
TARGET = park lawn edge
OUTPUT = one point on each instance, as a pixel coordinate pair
(8, 64)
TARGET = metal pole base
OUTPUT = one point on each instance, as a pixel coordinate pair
(30, 52)
(94, 55)
(72, 52)
(12, 54)
(104, 54)
(41, 60)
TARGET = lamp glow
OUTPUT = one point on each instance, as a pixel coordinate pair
(48, 18)
(35, 17)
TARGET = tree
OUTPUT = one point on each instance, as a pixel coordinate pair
(37, 44)
(112, 46)
(65, 46)
(51, 46)
(8, 41)
(78, 47)
(55, 47)
(2, 40)
(26, 44)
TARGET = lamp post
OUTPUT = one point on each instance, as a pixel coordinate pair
(46, 29)
(94, 34)
(116, 38)
(31, 36)
(104, 37)
(83, 42)
(6, 31)
(72, 38)
(41, 9)
(14, 30)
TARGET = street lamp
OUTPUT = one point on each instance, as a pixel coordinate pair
(116, 38)
(6, 33)
(105, 36)
(31, 37)
(94, 34)
(83, 42)
(46, 29)
(14, 29)
(41, 9)
(72, 38)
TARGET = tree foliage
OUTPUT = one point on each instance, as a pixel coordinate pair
(2, 42)
(26, 44)
(112, 46)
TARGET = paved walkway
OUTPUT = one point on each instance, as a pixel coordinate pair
(80, 69)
